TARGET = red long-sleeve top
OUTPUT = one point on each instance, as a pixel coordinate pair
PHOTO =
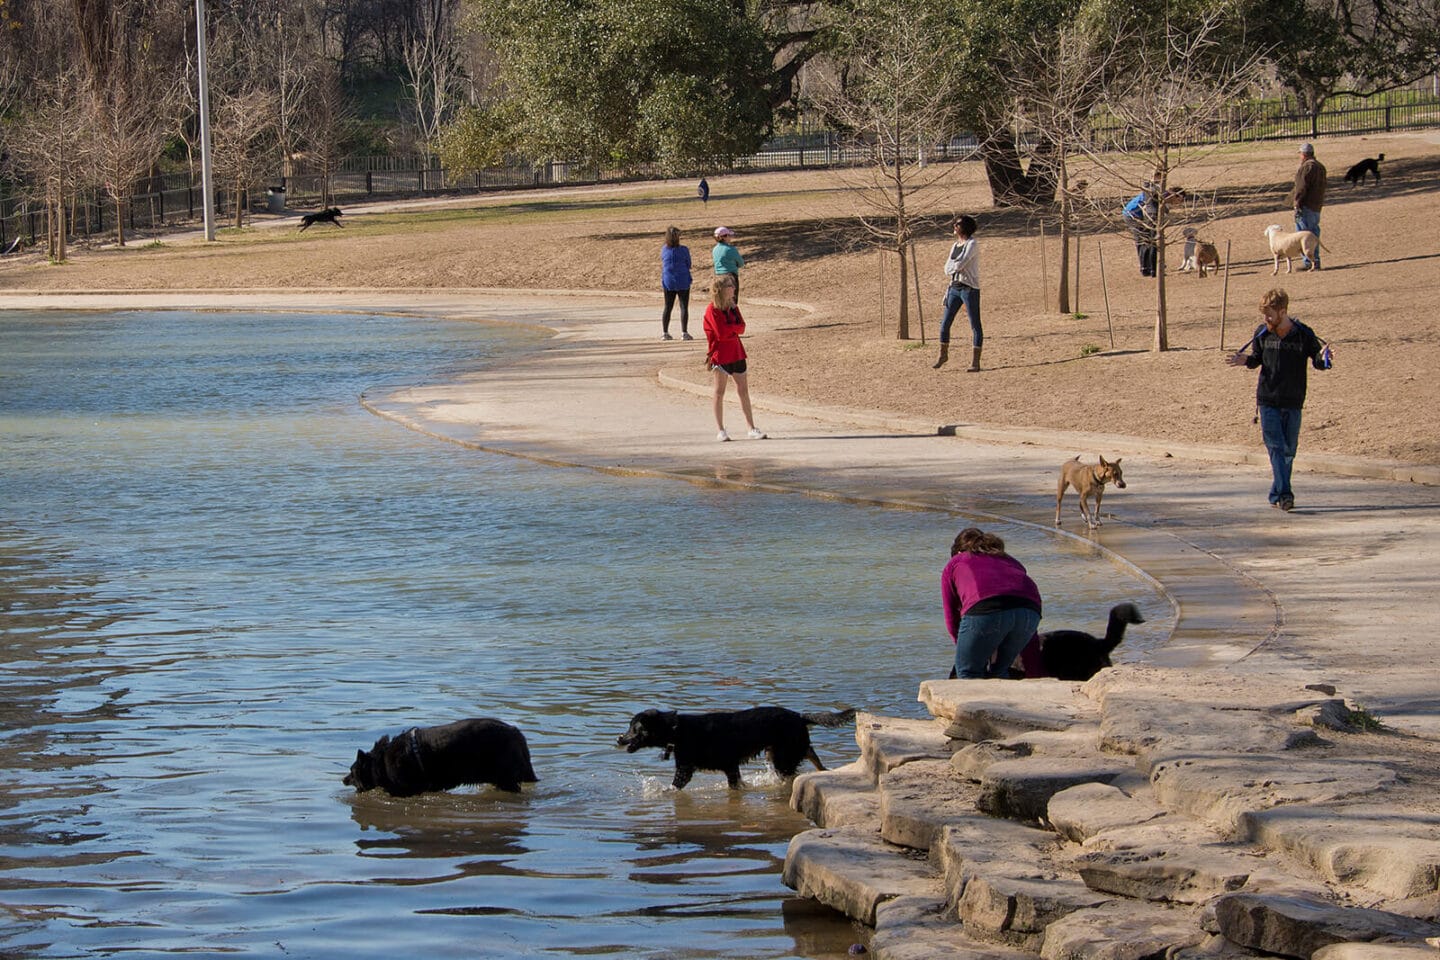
(722, 332)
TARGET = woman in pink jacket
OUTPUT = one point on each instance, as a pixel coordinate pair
(992, 607)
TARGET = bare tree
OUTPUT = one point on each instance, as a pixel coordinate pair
(897, 103)
(50, 153)
(328, 117)
(433, 65)
(1166, 92)
(242, 125)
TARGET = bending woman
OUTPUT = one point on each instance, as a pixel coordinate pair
(992, 607)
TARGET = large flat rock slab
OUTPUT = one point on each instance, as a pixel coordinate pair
(1156, 725)
(974, 759)
(888, 742)
(854, 871)
(1300, 926)
(966, 843)
(919, 928)
(1172, 873)
(1223, 789)
(843, 796)
(1021, 789)
(1123, 931)
(918, 799)
(1087, 810)
(995, 709)
(1392, 850)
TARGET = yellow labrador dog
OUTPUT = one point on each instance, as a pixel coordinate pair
(1089, 482)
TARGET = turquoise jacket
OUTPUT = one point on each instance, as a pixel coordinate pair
(727, 258)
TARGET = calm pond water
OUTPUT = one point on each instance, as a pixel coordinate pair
(221, 577)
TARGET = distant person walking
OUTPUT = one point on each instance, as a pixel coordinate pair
(963, 269)
(1281, 347)
(992, 607)
(703, 191)
(726, 354)
(1308, 196)
(727, 259)
(675, 281)
(1139, 215)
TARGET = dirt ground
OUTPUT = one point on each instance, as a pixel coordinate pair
(1372, 301)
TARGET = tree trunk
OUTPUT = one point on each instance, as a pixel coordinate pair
(119, 221)
(1162, 331)
(903, 331)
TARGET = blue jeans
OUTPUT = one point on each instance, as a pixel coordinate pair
(1307, 219)
(1281, 430)
(970, 297)
(998, 636)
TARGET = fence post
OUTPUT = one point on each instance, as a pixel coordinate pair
(369, 183)
(1387, 118)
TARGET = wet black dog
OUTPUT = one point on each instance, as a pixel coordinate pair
(1075, 654)
(423, 759)
(724, 740)
(1370, 165)
(328, 215)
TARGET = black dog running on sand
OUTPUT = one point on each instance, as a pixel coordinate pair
(424, 759)
(328, 215)
(724, 740)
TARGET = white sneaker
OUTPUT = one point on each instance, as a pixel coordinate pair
(686, 336)
(722, 436)
(756, 434)
(666, 336)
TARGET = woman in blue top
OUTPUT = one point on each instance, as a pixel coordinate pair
(675, 279)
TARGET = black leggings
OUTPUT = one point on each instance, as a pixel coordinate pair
(670, 296)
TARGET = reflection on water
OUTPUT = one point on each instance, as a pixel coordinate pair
(219, 578)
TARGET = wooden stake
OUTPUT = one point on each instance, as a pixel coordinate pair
(1076, 303)
(1105, 289)
(1225, 295)
(1044, 274)
(883, 284)
(919, 301)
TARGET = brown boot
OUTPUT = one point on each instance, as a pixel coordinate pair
(974, 361)
(944, 355)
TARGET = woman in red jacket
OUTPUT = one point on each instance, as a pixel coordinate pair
(726, 354)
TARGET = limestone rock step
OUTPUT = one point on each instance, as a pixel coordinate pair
(1376, 951)
(844, 796)
(1082, 740)
(1124, 931)
(992, 710)
(1222, 789)
(888, 742)
(921, 928)
(854, 871)
(1395, 853)
(1087, 810)
(964, 844)
(1021, 789)
(1173, 873)
(1157, 725)
(1300, 926)
(1012, 903)
(918, 799)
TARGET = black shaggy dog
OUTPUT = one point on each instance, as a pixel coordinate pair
(423, 759)
(1075, 654)
(1370, 165)
(328, 215)
(724, 740)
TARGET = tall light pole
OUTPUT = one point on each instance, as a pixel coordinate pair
(207, 184)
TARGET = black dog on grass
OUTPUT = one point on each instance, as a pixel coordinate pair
(724, 740)
(328, 215)
(1075, 654)
(424, 759)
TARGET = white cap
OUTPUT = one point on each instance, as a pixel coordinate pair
(724, 232)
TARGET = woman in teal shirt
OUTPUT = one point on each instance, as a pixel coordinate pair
(727, 259)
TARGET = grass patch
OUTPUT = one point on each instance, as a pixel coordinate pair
(1089, 349)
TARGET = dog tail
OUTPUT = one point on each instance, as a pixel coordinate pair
(835, 719)
(1121, 615)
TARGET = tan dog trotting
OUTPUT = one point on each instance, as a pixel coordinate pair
(1300, 243)
(1089, 481)
(1200, 255)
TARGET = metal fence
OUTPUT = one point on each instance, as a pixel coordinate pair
(173, 198)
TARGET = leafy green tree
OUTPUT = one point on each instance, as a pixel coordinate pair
(621, 83)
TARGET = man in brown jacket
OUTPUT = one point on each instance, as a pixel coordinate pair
(1308, 196)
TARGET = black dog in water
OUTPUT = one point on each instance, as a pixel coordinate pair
(328, 215)
(722, 741)
(423, 759)
(1075, 654)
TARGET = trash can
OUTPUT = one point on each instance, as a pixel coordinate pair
(275, 198)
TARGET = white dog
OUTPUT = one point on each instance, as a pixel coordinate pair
(1301, 243)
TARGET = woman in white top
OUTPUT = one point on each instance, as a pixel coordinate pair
(963, 269)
